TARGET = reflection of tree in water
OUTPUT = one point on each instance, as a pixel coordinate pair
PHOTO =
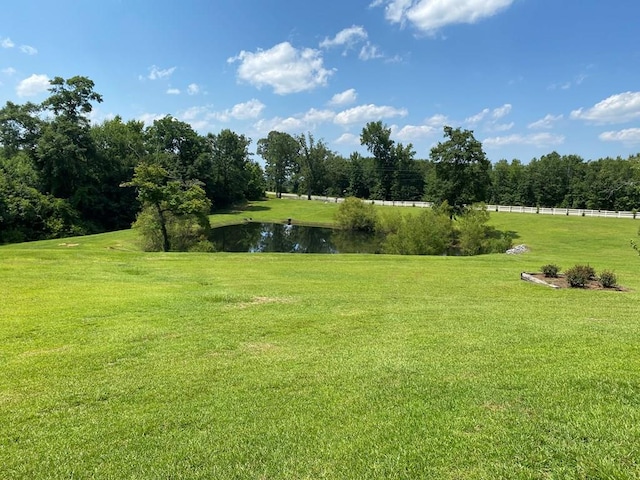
(273, 237)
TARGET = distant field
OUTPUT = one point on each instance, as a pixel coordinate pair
(123, 364)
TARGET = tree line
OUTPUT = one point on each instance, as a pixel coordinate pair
(61, 175)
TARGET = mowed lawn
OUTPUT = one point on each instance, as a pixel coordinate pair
(122, 364)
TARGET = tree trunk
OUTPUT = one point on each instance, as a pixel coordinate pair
(166, 246)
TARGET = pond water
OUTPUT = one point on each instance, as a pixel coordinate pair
(278, 237)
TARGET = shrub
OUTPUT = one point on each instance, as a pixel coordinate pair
(354, 214)
(429, 232)
(578, 276)
(608, 279)
(550, 270)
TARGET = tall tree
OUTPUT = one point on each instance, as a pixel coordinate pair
(462, 169)
(65, 149)
(231, 158)
(280, 152)
(312, 159)
(377, 138)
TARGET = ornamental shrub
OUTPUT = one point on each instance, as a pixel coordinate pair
(608, 279)
(578, 276)
(550, 270)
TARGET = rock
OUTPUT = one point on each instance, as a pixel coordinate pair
(517, 250)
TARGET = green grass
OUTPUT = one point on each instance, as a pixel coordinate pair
(122, 364)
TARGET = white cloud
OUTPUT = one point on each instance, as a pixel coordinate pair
(156, 73)
(536, 139)
(546, 122)
(33, 85)
(347, 37)
(9, 71)
(345, 98)
(477, 118)
(193, 89)
(283, 68)
(628, 136)
(430, 127)
(491, 117)
(501, 127)
(619, 108)
(501, 112)
(7, 43)
(369, 52)
(296, 123)
(368, 113)
(431, 15)
(242, 111)
(149, 118)
(414, 132)
(173, 91)
(28, 49)
(348, 139)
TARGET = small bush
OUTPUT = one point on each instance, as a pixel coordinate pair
(550, 270)
(354, 214)
(608, 279)
(579, 276)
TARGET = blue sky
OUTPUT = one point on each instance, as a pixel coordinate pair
(527, 76)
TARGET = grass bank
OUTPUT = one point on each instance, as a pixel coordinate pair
(123, 364)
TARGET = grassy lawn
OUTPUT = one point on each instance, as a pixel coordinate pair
(122, 364)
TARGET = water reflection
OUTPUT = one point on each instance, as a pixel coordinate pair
(276, 237)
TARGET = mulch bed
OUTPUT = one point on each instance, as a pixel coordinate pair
(561, 282)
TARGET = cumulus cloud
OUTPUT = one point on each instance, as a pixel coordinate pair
(173, 91)
(149, 118)
(545, 123)
(414, 132)
(430, 127)
(28, 49)
(156, 73)
(628, 136)
(242, 111)
(368, 113)
(347, 139)
(347, 37)
(294, 124)
(283, 68)
(33, 85)
(432, 15)
(536, 139)
(619, 108)
(7, 43)
(344, 98)
(193, 89)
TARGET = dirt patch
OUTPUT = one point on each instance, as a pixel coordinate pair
(561, 282)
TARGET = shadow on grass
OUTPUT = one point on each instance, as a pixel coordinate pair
(243, 208)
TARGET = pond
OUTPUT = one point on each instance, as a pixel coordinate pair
(278, 237)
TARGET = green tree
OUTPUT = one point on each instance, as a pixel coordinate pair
(181, 151)
(462, 169)
(312, 160)
(377, 138)
(20, 128)
(119, 147)
(231, 161)
(169, 206)
(65, 150)
(280, 152)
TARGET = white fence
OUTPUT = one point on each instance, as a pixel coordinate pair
(574, 212)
